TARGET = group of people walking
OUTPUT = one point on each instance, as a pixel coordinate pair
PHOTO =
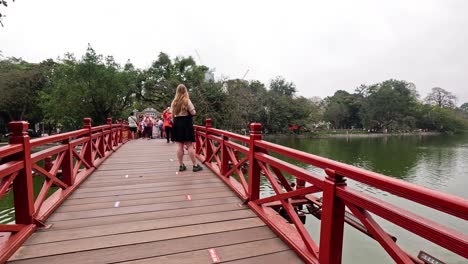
(148, 127)
(176, 124)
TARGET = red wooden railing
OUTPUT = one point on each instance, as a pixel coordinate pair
(229, 155)
(75, 155)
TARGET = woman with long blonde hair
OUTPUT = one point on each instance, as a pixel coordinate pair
(183, 134)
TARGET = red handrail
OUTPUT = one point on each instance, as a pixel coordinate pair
(75, 155)
(56, 138)
(10, 150)
(230, 160)
(444, 202)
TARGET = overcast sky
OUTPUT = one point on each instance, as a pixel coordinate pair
(321, 46)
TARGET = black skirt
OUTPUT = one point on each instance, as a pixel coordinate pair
(182, 129)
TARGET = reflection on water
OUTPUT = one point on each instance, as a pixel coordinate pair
(436, 162)
(7, 215)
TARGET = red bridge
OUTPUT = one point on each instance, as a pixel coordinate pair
(107, 200)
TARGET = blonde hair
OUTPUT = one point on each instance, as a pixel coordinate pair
(181, 99)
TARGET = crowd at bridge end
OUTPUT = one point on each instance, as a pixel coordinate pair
(151, 125)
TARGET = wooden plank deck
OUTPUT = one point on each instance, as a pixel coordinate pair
(134, 209)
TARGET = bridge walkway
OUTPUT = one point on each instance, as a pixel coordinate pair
(136, 208)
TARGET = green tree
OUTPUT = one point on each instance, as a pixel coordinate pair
(209, 100)
(464, 109)
(158, 82)
(441, 119)
(283, 108)
(95, 86)
(441, 98)
(280, 86)
(20, 84)
(389, 105)
(305, 113)
(342, 109)
(244, 103)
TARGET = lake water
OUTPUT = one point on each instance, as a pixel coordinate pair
(436, 162)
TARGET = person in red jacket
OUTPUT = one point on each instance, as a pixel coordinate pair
(167, 123)
(148, 121)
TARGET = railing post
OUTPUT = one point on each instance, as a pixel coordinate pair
(67, 164)
(127, 133)
(209, 150)
(300, 184)
(332, 223)
(23, 193)
(120, 139)
(88, 155)
(48, 163)
(224, 156)
(101, 146)
(254, 168)
(109, 139)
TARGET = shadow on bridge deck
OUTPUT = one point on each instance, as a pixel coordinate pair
(136, 209)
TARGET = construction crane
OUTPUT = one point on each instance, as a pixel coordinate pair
(245, 74)
(199, 58)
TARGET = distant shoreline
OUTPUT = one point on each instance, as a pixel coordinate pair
(356, 135)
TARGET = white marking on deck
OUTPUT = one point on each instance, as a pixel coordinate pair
(214, 255)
